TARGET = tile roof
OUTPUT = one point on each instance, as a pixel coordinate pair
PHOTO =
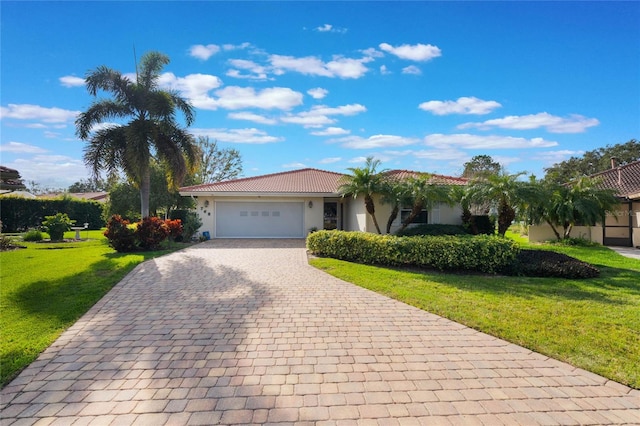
(304, 181)
(624, 180)
(296, 181)
(438, 179)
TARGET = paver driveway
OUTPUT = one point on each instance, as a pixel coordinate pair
(244, 331)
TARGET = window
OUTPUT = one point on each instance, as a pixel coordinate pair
(265, 214)
(244, 213)
(421, 218)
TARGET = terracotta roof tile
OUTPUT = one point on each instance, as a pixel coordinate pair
(438, 179)
(624, 180)
(296, 181)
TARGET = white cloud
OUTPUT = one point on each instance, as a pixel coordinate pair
(320, 115)
(384, 70)
(234, 97)
(330, 160)
(240, 46)
(415, 52)
(310, 65)
(71, 81)
(194, 87)
(51, 171)
(248, 136)
(411, 69)
(331, 131)
(553, 157)
(256, 71)
(375, 141)
(36, 112)
(249, 116)
(444, 154)
(328, 28)
(22, 148)
(464, 105)
(467, 141)
(574, 123)
(318, 93)
(294, 166)
(203, 52)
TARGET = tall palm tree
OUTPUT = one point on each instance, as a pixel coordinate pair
(425, 194)
(502, 191)
(150, 132)
(364, 181)
(396, 192)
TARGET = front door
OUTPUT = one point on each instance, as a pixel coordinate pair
(330, 215)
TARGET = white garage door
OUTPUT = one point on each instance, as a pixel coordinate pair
(259, 220)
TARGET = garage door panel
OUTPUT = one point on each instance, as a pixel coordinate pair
(259, 220)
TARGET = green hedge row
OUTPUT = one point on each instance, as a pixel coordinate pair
(480, 253)
(19, 214)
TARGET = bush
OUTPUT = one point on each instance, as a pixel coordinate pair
(20, 214)
(151, 232)
(175, 229)
(482, 225)
(469, 253)
(190, 225)
(121, 234)
(57, 225)
(580, 242)
(542, 263)
(33, 235)
(433, 230)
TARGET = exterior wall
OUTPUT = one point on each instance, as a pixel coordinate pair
(355, 215)
(636, 223)
(313, 216)
(540, 233)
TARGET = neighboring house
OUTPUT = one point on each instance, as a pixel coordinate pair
(292, 204)
(621, 226)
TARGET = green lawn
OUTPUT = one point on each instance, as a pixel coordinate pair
(593, 324)
(46, 287)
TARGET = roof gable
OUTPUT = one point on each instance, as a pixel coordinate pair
(624, 180)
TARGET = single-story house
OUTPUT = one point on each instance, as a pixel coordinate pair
(622, 224)
(291, 204)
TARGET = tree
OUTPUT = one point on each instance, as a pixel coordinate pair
(396, 192)
(150, 132)
(481, 165)
(94, 184)
(565, 206)
(364, 181)
(502, 191)
(425, 195)
(593, 162)
(216, 164)
(10, 179)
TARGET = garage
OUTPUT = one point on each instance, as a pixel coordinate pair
(251, 219)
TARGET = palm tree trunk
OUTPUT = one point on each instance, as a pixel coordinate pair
(392, 217)
(145, 191)
(368, 203)
(415, 211)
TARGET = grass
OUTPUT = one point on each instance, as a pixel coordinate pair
(593, 324)
(48, 286)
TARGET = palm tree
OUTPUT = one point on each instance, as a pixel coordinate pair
(425, 194)
(581, 202)
(150, 132)
(502, 191)
(366, 182)
(396, 192)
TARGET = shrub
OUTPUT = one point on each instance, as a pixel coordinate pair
(433, 229)
(175, 229)
(482, 225)
(33, 235)
(542, 263)
(190, 225)
(470, 253)
(581, 242)
(151, 232)
(20, 214)
(57, 225)
(121, 234)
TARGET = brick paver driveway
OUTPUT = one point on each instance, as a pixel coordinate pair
(239, 332)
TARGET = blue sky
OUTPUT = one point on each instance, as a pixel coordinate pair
(419, 85)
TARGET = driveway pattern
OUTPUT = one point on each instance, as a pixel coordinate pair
(246, 332)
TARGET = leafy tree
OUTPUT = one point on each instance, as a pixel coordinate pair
(150, 132)
(593, 162)
(481, 165)
(10, 179)
(396, 192)
(216, 164)
(425, 195)
(364, 181)
(502, 191)
(94, 184)
(565, 206)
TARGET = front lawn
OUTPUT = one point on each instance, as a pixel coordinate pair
(48, 286)
(591, 323)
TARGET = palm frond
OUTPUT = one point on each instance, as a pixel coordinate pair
(97, 113)
(150, 66)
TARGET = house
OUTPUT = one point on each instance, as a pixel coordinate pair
(291, 204)
(622, 224)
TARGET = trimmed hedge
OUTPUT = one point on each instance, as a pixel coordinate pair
(468, 253)
(20, 214)
(543, 263)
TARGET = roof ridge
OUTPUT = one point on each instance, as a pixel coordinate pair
(425, 173)
(633, 163)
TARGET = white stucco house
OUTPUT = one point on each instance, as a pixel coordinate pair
(291, 204)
